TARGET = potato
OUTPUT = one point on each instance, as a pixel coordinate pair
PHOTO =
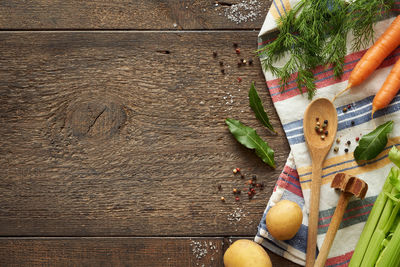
(246, 253)
(284, 220)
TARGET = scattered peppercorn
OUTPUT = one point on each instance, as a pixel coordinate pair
(322, 137)
(258, 185)
(215, 54)
(239, 79)
(254, 177)
(348, 142)
(318, 123)
(250, 61)
(324, 125)
(244, 61)
(321, 130)
(222, 199)
(242, 176)
(326, 122)
(346, 150)
(234, 190)
(222, 71)
(317, 128)
(262, 186)
(338, 141)
(357, 139)
(235, 45)
(326, 132)
(237, 51)
(349, 106)
(221, 63)
(234, 171)
(219, 187)
(317, 119)
(238, 169)
(237, 198)
(352, 123)
(239, 64)
(344, 109)
(336, 149)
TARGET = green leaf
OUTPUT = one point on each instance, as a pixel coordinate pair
(372, 144)
(257, 107)
(249, 138)
(394, 156)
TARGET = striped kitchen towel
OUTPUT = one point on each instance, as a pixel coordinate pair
(294, 181)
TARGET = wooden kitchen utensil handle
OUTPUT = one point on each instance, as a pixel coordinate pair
(333, 227)
(314, 211)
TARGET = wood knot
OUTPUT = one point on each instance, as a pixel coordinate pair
(95, 119)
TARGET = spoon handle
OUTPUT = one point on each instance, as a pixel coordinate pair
(314, 210)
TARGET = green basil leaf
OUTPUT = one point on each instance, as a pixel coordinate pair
(249, 138)
(372, 144)
(257, 107)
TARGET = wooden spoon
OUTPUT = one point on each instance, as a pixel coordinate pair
(322, 109)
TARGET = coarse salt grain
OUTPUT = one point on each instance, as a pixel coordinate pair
(244, 11)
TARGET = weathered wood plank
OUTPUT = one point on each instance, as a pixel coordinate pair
(136, 252)
(131, 14)
(107, 134)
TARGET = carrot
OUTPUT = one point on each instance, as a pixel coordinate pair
(386, 43)
(388, 90)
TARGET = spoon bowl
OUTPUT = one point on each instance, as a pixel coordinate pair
(319, 110)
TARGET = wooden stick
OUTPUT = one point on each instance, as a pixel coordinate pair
(333, 227)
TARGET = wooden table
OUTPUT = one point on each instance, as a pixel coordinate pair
(113, 141)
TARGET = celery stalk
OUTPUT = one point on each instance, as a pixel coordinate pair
(375, 245)
(370, 225)
(390, 256)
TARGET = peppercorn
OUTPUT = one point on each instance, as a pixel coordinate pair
(250, 61)
(326, 132)
(318, 123)
(262, 186)
(322, 137)
(237, 198)
(321, 130)
(346, 150)
(317, 119)
(237, 51)
(234, 190)
(254, 177)
(336, 149)
(324, 125)
(244, 61)
(357, 139)
(348, 142)
(219, 187)
(222, 199)
(241, 60)
(215, 54)
(338, 141)
(235, 45)
(344, 109)
(242, 176)
(239, 64)
(239, 79)
(234, 170)
(317, 128)
(221, 63)
(258, 185)
(352, 123)
(349, 106)
(326, 122)
(238, 169)
(222, 71)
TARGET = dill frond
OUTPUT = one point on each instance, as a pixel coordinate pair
(314, 33)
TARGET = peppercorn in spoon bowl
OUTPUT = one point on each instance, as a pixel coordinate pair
(320, 126)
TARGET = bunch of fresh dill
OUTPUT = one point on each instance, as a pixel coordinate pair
(314, 33)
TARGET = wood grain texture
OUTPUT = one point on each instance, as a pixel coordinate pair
(123, 134)
(138, 252)
(128, 14)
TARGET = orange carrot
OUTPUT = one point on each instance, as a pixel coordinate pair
(388, 42)
(388, 90)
